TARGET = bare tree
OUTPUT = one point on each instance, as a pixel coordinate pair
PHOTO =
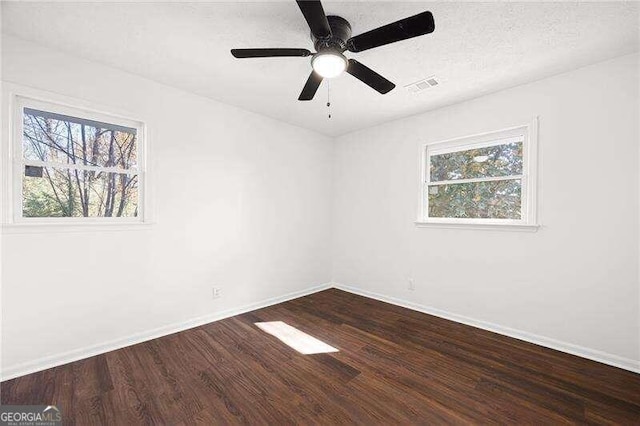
(71, 191)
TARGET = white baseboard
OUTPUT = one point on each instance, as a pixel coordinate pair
(592, 354)
(82, 353)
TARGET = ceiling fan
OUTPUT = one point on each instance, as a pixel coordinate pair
(331, 36)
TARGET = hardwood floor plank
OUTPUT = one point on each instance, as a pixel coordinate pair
(132, 392)
(91, 377)
(394, 366)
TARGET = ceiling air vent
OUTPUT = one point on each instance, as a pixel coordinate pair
(423, 84)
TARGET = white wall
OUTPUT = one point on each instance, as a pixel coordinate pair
(243, 202)
(574, 283)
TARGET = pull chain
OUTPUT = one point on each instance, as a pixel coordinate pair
(329, 98)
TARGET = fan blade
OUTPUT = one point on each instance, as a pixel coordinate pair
(403, 29)
(369, 77)
(268, 53)
(311, 87)
(317, 20)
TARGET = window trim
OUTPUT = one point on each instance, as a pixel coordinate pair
(13, 221)
(529, 221)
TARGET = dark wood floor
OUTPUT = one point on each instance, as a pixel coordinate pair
(395, 366)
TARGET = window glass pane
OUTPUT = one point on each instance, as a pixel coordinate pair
(491, 161)
(59, 192)
(62, 139)
(499, 199)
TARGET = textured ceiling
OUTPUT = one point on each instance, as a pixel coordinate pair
(476, 48)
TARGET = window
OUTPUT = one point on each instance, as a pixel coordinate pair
(481, 180)
(76, 166)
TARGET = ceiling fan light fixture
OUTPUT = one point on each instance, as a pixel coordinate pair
(329, 64)
(331, 36)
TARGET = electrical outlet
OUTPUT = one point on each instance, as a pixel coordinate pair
(216, 292)
(412, 284)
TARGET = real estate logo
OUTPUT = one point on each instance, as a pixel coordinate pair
(30, 415)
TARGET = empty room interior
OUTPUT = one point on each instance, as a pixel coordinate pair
(305, 212)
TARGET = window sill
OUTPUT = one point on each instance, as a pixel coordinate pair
(41, 228)
(480, 226)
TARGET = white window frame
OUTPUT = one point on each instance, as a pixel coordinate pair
(528, 134)
(15, 221)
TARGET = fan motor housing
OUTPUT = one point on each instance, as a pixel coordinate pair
(340, 33)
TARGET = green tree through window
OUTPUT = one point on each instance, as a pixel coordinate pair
(477, 183)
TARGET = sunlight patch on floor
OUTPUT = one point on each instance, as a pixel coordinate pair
(295, 338)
